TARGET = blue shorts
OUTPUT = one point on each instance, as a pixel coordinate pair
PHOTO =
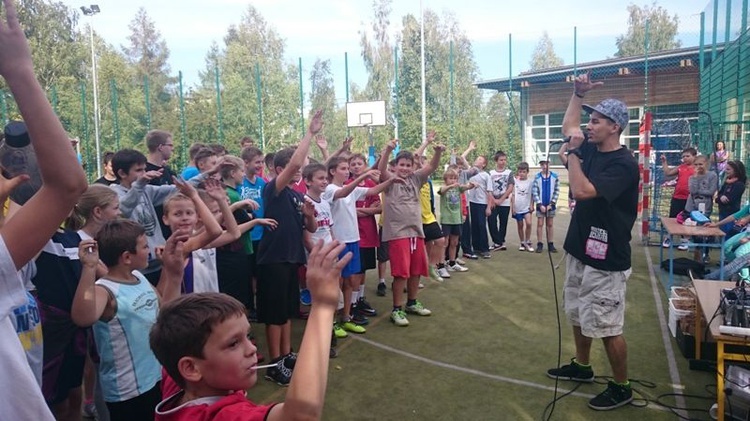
(355, 265)
(519, 216)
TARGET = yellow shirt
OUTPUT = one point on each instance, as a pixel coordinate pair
(424, 198)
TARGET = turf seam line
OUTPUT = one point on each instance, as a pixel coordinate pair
(674, 373)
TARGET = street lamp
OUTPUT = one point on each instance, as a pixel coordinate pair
(91, 11)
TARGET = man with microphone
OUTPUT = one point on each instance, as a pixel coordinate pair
(603, 177)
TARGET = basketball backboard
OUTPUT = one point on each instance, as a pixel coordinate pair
(365, 114)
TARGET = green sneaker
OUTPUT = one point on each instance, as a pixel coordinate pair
(435, 275)
(398, 317)
(418, 308)
(339, 332)
(353, 327)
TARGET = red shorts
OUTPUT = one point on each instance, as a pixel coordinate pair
(408, 257)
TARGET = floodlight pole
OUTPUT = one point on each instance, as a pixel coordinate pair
(90, 12)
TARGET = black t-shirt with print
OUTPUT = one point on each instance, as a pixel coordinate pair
(283, 244)
(599, 231)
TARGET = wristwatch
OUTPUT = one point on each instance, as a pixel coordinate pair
(576, 152)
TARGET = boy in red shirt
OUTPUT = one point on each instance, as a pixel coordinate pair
(681, 191)
(201, 340)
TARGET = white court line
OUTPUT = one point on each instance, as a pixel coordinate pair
(470, 370)
(674, 373)
(560, 391)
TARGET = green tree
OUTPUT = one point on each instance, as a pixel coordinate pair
(58, 49)
(544, 56)
(149, 55)
(466, 103)
(662, 31)
(252, 41)
(378, 57)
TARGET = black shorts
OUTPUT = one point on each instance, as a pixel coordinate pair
(252, 261)
(676, 206)
(366, 259)
(432, 232)
(451, 229)
(277, 297)
(383, 255)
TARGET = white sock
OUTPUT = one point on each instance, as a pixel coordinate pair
(355, 295)
(381, 280)
(362, 291)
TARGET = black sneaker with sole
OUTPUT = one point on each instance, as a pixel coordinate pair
(359, 319)
(290, 360)
(551, 247)
(279, 374)
(572, 371)
(539, 247)
(381, 289)
(365, 308)
(614, 396)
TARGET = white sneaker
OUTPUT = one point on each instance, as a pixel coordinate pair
(522, 247)
(667, 242)
(683, 245)
(443, 272)
(457, 268)
(529, 247)
(461, 262)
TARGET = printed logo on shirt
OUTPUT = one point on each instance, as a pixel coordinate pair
(597, 243)
(145, 301)
(249, 193)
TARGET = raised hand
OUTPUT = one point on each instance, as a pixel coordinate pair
(472, 145)
(431, 135)
(347, 144)
(324, 270)
(7, 185)
(438, 147)
(215, 190)
(172, 253)
(184, 187)
(150, 175)
(249, 204)
(15, 54)
(268, 222)
(88, 253)
(308, 209)
(321, 141)
(391, 144)
(583, 84)
(316, 123)
(374, 175)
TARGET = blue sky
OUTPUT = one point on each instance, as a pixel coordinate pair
(329, 28)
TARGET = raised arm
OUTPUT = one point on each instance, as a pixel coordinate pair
(383, 163)
(669, 171)
(173, 266)
(231, 230)
(464, 162)
(306, 395)
(347, 189)
(63, 180)
(322, 143)
(434, 162)
(579, 184)
(212, 228)
(90, 301)
(298, 158)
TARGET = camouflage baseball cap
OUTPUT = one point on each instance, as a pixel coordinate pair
(613, 109)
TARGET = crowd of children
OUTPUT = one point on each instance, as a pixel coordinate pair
(152, 279)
